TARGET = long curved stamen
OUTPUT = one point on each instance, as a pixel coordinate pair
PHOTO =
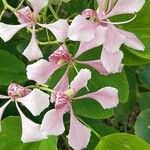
(109, 6)
(119, 23)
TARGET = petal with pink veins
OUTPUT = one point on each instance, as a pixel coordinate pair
(112, 61)
(95, 42)
(58, 28)
(81, 80)
(81, 29)
(97, 65)
(79, 135)
(113, 39)
(36, 101)
(33, 52)
(41, 70)
(52, 123)
(31, 131)
(107, 97)
(132, 41)
(8, 31)
(61, 86)
(126, 7)
(38, 5)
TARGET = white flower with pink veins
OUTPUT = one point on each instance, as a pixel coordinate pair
(94, 28)
(62, 96)
(29, 19)
(35, 101)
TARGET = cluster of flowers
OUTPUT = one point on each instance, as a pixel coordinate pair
(92, 28)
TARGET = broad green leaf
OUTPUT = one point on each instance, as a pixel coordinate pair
(144, 101)
(91, 109)
(144, 76)
(142, 125)
(131, 59)
(122, 141)
(11, 69)
(10, 137)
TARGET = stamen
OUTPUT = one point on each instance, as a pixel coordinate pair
(15, 91)
(60, 56)
(119, 23)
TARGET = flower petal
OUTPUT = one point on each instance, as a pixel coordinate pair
(61, 86)
(126, 7)
(97, 65)
(95, 42)
(8, 31)
(33, 52)
(4, 97)
(79, 134)
(30, 130)
(100, 4)
(41, 70)
(35, 102)
(107, 97)
(81, 29)
(52, 123)
(37, 5)
(113, 39)
(132, 41)
(81, 80)
(58, 28)
(112, 61)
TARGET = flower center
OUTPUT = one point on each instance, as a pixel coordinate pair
(17, 91)
(25, 15)
(60, 56)
(63, 98)
(88, 13)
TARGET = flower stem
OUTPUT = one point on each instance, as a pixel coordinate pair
(6, 5)
(48, 43)
(20, 4)
(2, 13)
(53, 11)
(60, 3)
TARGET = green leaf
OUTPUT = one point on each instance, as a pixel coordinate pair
(144, 76)
(11, 69)
(142, 125)
(122, 141)
(91, 109)
(10, 137)
(144, 101)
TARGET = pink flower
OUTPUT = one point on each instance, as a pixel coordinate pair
(29, 19)
(41, 70)
(79, 135)
(35, 101)
(93, 28)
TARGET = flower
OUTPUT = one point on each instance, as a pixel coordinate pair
(35, 101)
(29, 19)
(41, 70)
(79, 135)
(93, 28)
